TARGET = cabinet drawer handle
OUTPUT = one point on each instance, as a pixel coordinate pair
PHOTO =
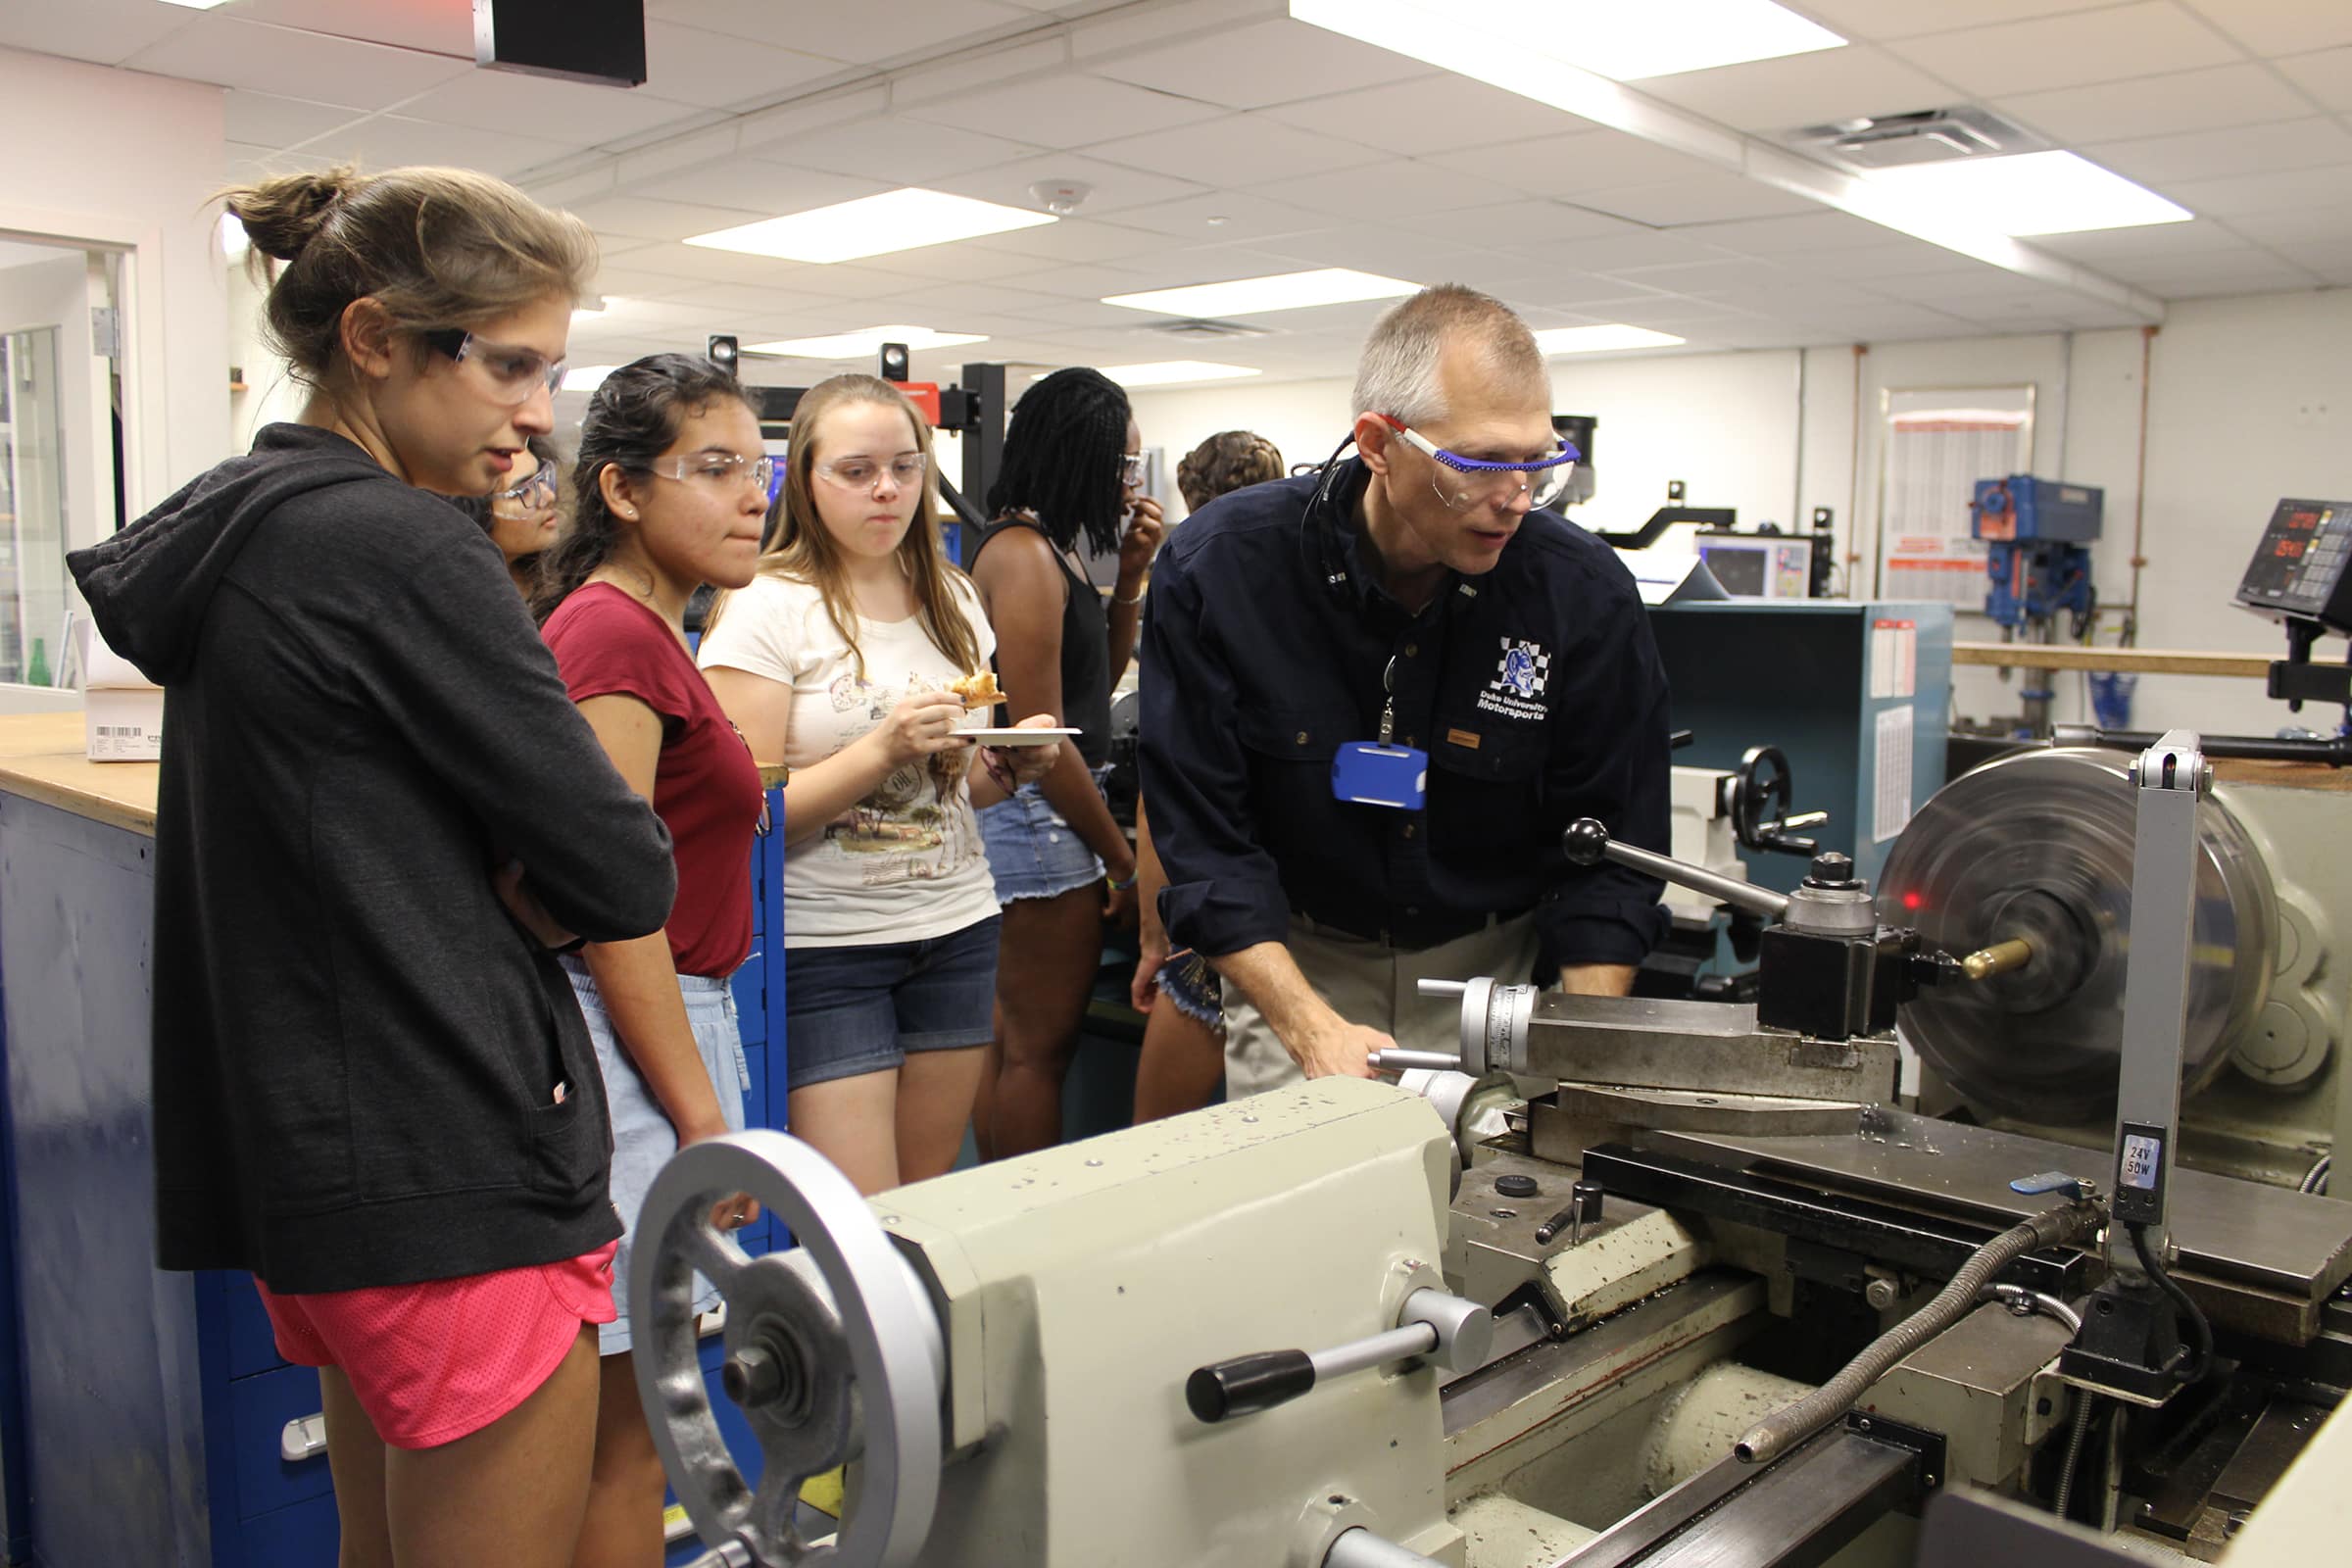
(303, 1438)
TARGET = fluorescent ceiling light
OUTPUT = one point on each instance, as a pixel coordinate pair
(233, 243)
(872, 226)
(2031, 193)
(1602, 339)
(1257, 296)
(197, 5)
(863, 343)
(1168, 373)
(593, 304)
(1612, 38)
(587, 377)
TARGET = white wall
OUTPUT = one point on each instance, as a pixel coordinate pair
(115, 154)
(2244, 406)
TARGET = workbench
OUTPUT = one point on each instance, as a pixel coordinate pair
(145, 1418)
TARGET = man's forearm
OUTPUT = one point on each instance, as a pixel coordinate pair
(1597, 979)
(1272, 981)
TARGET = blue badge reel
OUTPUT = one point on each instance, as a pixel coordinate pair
(1371, 773)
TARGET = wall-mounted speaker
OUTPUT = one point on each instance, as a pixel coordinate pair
(597, 41)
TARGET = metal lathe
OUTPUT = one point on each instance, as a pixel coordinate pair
(1634, 1281)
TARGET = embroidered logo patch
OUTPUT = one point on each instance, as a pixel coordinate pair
(1520, 676)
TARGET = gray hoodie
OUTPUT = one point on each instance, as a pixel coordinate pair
(365, 1072)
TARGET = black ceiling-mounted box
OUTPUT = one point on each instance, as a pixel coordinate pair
(597, 41)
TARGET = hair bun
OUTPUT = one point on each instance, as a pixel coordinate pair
(281, 216)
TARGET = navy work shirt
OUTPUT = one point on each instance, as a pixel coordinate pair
(1536, 689)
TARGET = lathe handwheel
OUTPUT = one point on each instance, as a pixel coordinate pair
(818, 1381)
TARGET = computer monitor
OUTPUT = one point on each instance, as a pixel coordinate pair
(1759, 565)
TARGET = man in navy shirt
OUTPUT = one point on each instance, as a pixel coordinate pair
(1316, 647)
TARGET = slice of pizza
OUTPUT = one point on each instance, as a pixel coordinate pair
(977, 691)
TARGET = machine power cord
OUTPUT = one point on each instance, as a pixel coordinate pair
(1793, 1422)
(2198, 1364)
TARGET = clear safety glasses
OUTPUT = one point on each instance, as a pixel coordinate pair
(534, 494)
(905, 471)
(1466, 482)
(718, 470)
(512, 375)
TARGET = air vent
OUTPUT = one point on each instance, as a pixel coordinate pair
(1201, 331)
(1925, 137)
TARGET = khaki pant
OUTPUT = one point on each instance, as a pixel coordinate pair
(1377, 986)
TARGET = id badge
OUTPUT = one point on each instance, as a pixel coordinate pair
(1369, 774)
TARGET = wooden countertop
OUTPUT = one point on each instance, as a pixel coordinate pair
(2136, 661)
(42, 758)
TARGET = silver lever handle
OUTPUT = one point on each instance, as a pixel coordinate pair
(1458, 1333)
(1588, 843)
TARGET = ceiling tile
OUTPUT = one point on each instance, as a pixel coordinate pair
(1267, 63)
(1114, 189)
(2072, 50)
(1820, 230)
(2326, 75)
(1705, 199)
(1225, 218)
(2157, 106)
(2239, 150)
(264, 120)
(1238, 145)
(1069, 109)
(950, 264)
(761, 187)
(1619, 252)
(1427, 114)
(445, 26)
(2262, 193)
(2257, 272)
(106, 31)
(2106, 248)
(867, 32)
(234, 53)
(2301, 226)
(942, 300)
(648, 218)
(1809, 89)
(2332, 262)
(388, 141)
(1083, 238)
(1905, 19)
(1371, 190)
(715, 70)
(243, 161)
(746, 299)
(1699, 279)
(1570, 165)
(1419, 258)
(895, 151)
(2270, 27)
(539, 106)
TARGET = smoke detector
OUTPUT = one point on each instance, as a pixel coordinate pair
(1060, 197)
(1923, 136)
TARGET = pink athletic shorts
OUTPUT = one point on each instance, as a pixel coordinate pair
(433, 1363)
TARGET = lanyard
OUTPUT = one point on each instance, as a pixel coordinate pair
(1388, 707)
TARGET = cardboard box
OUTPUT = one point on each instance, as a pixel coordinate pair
(122, 711)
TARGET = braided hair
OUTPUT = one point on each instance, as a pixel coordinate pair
(1226, 461)
(1063, 451)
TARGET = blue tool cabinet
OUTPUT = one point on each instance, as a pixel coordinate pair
(144, 1416)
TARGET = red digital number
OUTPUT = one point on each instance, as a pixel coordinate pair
(2289, 549)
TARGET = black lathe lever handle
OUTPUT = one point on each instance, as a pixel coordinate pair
(1247, 1382)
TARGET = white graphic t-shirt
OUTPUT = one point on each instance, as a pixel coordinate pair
(906, 863)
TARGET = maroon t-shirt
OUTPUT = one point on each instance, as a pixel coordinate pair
(706, 788)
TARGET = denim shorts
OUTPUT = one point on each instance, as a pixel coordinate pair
(1193, 988)
(1032, 852)
(642, 1139)
(859, 1009)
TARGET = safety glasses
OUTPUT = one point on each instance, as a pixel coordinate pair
(718, 470)
(510, 374)
(534, 494)
(905, 471)
(1465, 482)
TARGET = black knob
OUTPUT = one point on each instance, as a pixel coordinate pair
(1831, 869)
(1587, 1198)
(1248, 1383)
(1516, 1185)
(1585, 841)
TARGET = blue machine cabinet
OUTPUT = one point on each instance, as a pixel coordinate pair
(144, 1416)
(1854, 692)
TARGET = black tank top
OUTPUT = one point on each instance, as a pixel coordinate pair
(1085, 650)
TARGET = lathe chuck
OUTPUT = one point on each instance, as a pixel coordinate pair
(2037, 846)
